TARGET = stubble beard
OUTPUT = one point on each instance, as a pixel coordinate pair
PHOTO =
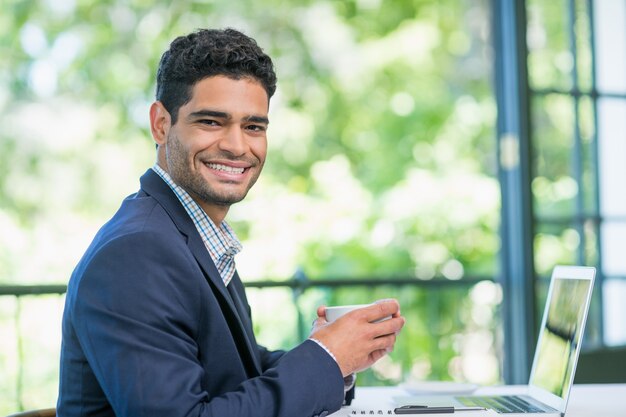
(195, 184)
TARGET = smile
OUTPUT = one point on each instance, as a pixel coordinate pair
(226, 168)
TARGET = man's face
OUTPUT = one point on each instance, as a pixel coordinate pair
(217, 148)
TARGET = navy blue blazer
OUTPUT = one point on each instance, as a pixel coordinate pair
(149, 329)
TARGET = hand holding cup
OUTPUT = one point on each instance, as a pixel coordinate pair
(358, 335)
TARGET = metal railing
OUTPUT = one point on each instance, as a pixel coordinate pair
(298, 285)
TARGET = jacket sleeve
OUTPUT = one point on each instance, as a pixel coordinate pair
(136, 314)
(269, 358)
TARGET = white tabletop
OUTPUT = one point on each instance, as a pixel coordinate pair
(607, 400)
(597, 400)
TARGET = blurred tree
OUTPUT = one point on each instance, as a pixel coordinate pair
(381, 149)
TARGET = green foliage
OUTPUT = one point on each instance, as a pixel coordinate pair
(381, 149)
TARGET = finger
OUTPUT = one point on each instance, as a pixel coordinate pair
(391, 326)
(381, 309)
(397, 314)
(321, 311)
(384, 343)
(320, 322)
(376, 355)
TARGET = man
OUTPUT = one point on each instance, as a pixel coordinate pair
(156, 320)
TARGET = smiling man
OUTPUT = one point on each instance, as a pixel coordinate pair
(156, 320)
(217, 148)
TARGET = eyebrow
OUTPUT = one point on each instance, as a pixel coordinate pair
(257, 119)
(227, 116)
(209, 113)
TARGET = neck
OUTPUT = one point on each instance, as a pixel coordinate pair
(216, 213)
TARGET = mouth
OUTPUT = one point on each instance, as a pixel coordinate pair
(225, 168)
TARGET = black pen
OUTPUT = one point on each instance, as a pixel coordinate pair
(424, 409)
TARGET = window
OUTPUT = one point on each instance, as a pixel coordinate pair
(568, 112)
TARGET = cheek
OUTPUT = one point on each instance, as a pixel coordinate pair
(180, 153)
(188, 147)
(259, 149)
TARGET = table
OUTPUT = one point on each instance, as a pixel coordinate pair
(587, 400)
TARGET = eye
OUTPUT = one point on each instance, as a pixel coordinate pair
(208, 122)
(256, 128)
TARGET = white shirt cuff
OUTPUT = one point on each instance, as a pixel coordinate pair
(348, 381)
(325, 348)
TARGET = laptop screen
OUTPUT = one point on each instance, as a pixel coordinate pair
(561, 334)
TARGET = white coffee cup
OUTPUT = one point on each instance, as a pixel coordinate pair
(334, 312)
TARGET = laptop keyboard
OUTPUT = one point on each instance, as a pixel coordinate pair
(503, 404)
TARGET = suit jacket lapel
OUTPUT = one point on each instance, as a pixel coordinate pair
(237, 293)
(237, 318)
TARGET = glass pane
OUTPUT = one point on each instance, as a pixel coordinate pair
(614, 292)
(541, 294)
(612, 151)
(554, 188)
(550, 60)
(610, 45)
(590, 230)
(29, 351)
(583, 45)
(595, 327)
(272, 309)
(613, 244)
(8, 355)
(555, 244)
(375, 130)
(588, 187)
(450, 332)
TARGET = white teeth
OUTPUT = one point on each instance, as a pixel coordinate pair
(225, 168)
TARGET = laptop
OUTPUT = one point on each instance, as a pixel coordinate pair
(554, 365)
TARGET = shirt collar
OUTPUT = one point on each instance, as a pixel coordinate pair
(221, 242)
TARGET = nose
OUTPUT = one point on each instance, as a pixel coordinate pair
(233, 141)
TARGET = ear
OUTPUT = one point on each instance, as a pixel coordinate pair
(160, 122)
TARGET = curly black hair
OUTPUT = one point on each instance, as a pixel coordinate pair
(206, 53)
